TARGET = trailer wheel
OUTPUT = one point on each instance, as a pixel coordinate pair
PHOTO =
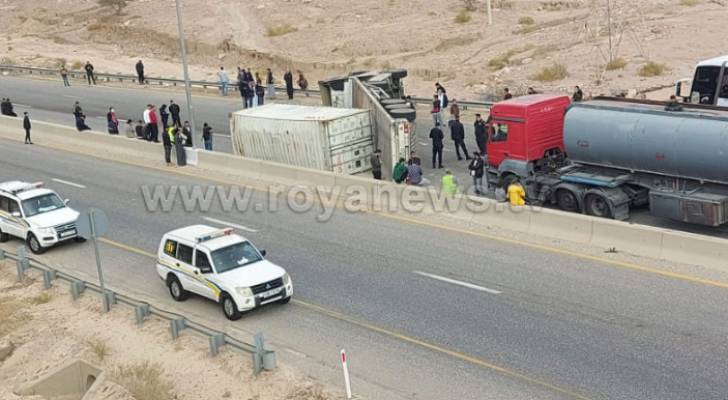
(567, 201)
(598, 206)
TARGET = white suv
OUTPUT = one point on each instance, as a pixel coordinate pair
(36, 215)
(222, 266)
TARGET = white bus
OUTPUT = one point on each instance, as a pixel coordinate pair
(709, 84)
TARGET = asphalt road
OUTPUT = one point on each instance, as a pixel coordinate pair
(48, 100)
(521, 324)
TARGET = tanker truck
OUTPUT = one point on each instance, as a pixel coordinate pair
(606, 156)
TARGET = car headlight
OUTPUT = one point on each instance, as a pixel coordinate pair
(47, 231)
(244, 291)
(286, 279)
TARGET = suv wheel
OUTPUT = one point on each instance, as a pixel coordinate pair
(34, 244)
(285, 300)
(229, 308)
(4, 237)
(176, 290)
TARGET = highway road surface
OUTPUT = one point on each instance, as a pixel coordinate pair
(48, 100)
(424, 313)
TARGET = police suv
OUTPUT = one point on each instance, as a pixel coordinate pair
(222, 266)
(35, 214)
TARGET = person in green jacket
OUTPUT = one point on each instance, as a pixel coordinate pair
(400, 171)
(449, 183)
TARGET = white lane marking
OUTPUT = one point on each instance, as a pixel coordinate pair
(69, 183)
(22, 105)
(424, 143)
(221, 135)
(230, 224)
(456, 282)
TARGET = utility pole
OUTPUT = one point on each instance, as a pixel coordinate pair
(489, 6)
(183, 51)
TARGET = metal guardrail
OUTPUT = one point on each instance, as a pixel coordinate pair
(81, 75)
(262, 358)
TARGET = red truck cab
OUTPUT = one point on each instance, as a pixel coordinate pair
(526, 129)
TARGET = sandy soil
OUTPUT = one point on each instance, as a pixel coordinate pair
(48, 329)
(332, 36)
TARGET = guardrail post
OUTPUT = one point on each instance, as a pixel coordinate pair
(141, 311)
(108, 298)
(47, 279)
(216, 341)
(22, 263)
(262, 359)
(176, 326)
(2, 254)
(77, 287)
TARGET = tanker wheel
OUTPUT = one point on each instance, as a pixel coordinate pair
(598, 206)
(567, 201)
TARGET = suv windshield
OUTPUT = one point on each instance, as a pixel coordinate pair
(42, 204)
(235, 256)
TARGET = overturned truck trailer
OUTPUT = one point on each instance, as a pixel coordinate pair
(324, 138)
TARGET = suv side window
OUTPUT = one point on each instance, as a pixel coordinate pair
(184, 253)
(13, 206)
(202, 262)
(170, 248)
(3, 203)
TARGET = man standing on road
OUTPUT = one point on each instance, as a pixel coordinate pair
(454, 110)
(481, 137)
(164, 115)
(187, 132)
(376, 162)
(64, 76)
(207, 136)
(140, 71)
(26, 126)
(174, 111)
(147, 123)
(457, 134)
(224, 79)
(437, 136)
(271, 83)
(288, 77)
(89, 68)
(167, 142)
(154, 123)
(436, 116)
(476, 168)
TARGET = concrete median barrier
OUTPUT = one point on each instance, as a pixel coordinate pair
(572, 227)
(627, 238)
(694, 249)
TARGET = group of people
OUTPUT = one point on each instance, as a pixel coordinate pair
(253, 89)
(6, 108)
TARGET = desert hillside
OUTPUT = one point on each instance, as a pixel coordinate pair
(550, 45)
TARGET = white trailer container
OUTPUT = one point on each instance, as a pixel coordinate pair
(325, 138)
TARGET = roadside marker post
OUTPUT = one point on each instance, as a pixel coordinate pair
(91, 224)
(347, 381)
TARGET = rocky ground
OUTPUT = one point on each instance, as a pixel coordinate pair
(446, 40)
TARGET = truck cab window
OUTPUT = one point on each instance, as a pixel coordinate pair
(499, 133)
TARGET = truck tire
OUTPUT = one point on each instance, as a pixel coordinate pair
(567, 201)
(597, 206)
(406, 113)
(176, 290)
(285, 300)
(4, 237)
(229, 308)
(34, 245)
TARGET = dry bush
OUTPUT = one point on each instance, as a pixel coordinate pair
(280, 30)
(526, 21)
(77, 65)
(98, 347)
(617, 63)
(651, 69)
(42, 298)
(555, 72)
(144, 381)
(689, 3)
(307, 392)
(463, 17)
(10, 318)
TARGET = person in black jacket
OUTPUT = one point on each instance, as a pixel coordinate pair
(457, 134)
(260, 92)
(481, 136)
(7, 108)
(165, 117)
(477, 168)
(89, 68)
(174, 111)
(578, 94)
(437, 137)
(140, 72)
(26, 126)
(288, 77)
(207, 136)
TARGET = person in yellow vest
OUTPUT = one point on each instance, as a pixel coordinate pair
(516, 194)
(168, 142)
(449, 183)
